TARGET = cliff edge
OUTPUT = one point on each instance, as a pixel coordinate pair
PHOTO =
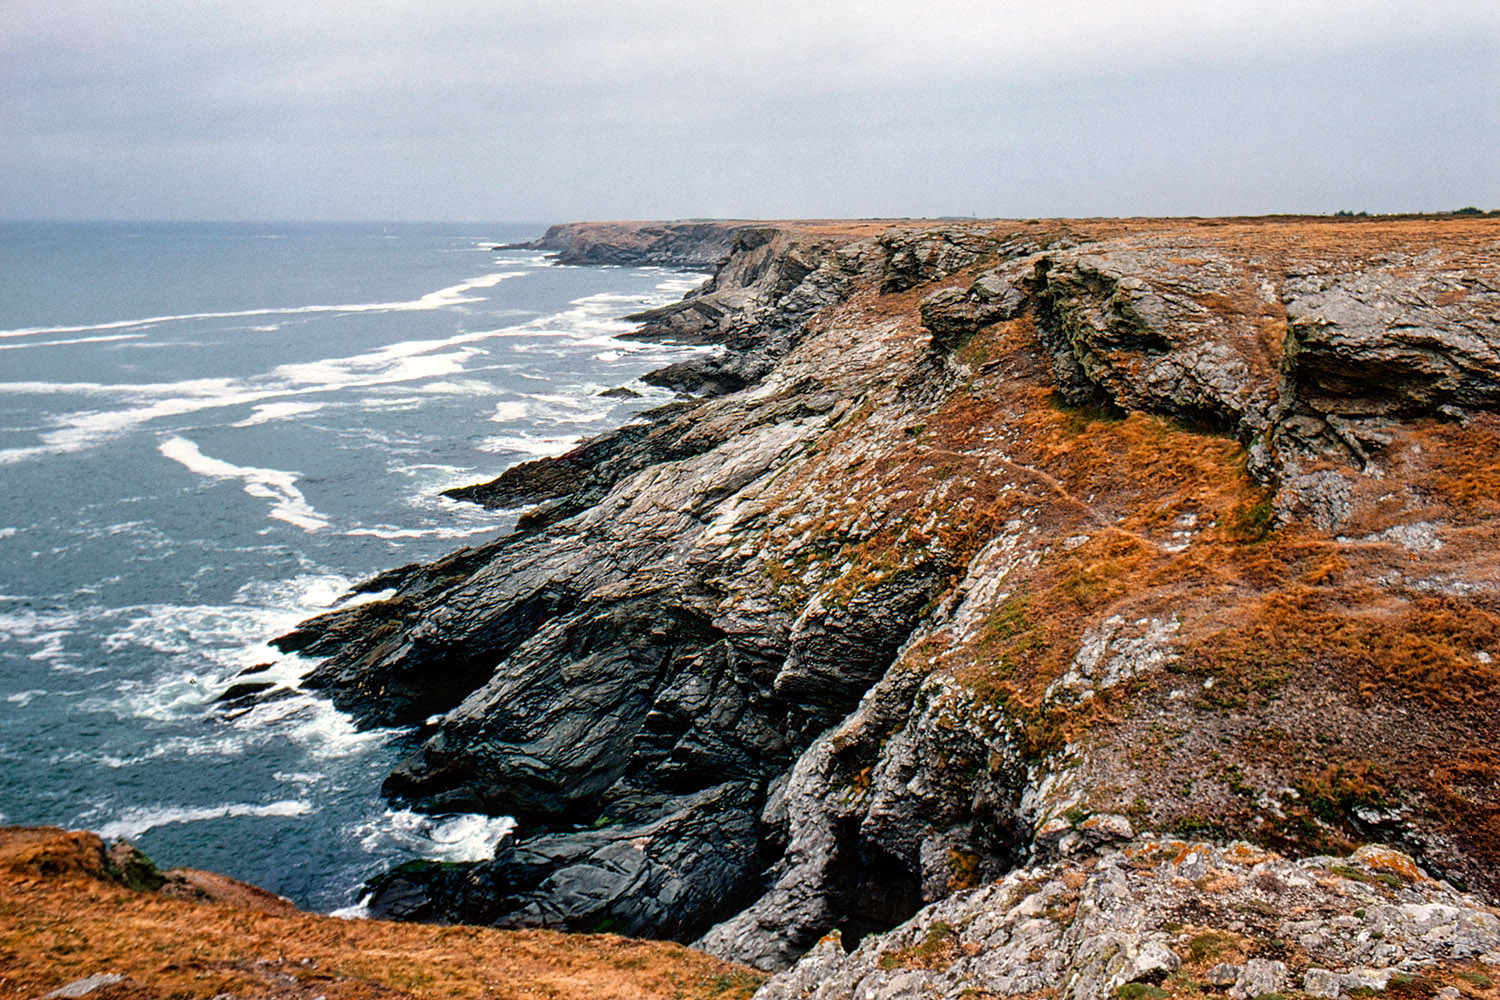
(979, 548)
(79, 918)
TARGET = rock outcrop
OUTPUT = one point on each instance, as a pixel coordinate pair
(983, 546)
(698, 245)
(1159, 919)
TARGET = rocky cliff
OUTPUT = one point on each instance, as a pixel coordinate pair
(676, 244)
(980, 548)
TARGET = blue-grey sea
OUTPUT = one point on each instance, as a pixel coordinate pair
(209, 432)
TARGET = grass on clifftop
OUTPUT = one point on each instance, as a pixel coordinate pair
(64, 917)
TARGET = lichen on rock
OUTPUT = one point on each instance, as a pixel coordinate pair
(984, 548)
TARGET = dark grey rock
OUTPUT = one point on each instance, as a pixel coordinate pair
(677, 672)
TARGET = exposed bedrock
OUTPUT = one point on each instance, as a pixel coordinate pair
(1169, 918)
(673, 244)
(1011, 542)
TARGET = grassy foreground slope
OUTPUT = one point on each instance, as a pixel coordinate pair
(71, 909)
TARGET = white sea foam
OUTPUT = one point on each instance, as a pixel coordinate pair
(537, 447)
(368, 596)
(203, 648)
(423, 468)
(287, 502)
(679, 286)
(296, 597)
(441, 299)
(509, 411)
(324, 731)
(376, 403)
(24, 698)
(583, 407)
(135, 821)
(71, 340)
(45, 631)
(407, 361)
(434, 362)
(267, 412)
(457, 387)
(9, 532)
(391, 532)
(456, 837)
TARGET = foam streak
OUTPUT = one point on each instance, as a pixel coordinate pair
(287, 502)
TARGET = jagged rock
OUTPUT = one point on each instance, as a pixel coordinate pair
(676, 244)
(1131, 326)
(1259, 977)
(954, 314)
(1084, 544)
(1086, 929)
(920, 255)
(1386, 341)
(671, 877)
(83, 987)
(837, 651)
(1223, 974)
(883, 813)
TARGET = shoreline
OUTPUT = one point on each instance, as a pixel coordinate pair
(761, 647)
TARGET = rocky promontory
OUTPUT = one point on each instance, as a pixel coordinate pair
(699, 245)
(979, 555)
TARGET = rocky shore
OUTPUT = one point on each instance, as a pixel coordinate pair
(674, 244)
(977, 555)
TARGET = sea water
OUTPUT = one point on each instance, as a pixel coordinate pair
(210, 432)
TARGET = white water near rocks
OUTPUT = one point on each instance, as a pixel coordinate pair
(210, 432)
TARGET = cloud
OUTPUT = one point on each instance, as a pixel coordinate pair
(534, 110)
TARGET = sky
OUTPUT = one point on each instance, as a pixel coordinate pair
(566, 110)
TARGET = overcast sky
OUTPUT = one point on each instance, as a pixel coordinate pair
(558, 110)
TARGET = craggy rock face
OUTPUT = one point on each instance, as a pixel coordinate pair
(992, 545)
(1160, 919)
(678, 244)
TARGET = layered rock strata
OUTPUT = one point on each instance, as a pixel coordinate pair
(983, 545)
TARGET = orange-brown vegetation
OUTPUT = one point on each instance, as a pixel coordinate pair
(1323, 685)
(65, 916)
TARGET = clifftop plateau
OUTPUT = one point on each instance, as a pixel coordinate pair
(986, 551)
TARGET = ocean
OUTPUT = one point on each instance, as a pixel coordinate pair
(209, 432)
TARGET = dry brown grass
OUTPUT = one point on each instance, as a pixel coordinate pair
(63, 919)
(1345, 667)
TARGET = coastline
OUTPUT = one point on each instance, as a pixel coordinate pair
(961, 519)
(235, 469)
(668, 650)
